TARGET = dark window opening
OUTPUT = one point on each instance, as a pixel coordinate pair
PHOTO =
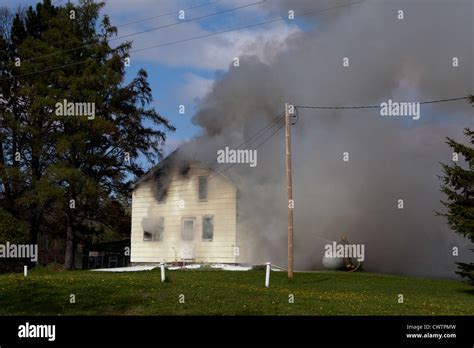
(208, 228)
(153, 229)
(184, 170)
(202, 188)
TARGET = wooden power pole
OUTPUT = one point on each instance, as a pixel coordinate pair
(290, 190)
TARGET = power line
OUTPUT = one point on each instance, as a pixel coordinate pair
(371, 106)
(251, 140)
(311, 13)
(217, 173)
(148, 30)
(188, 20)
(257, 135)
(443, 100)
(256, 147)
(168, 13)
(246, 143)
(119, 26)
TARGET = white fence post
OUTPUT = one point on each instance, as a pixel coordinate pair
(162, 267)
(267, 274)
(25, 271)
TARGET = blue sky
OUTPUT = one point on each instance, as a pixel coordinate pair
(184, 73)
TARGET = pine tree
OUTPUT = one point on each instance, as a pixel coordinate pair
(76, 167)
(458, 186)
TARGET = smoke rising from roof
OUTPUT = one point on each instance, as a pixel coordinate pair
(389, 158)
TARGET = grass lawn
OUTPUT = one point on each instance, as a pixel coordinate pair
(212, 292)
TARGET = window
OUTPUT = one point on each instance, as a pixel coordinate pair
(187, 230)
(207, 228)
(153, 229)
(202, 188)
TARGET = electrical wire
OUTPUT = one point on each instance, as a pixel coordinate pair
(371, 106)
(145, 31)
(310, 13)
(246, 143)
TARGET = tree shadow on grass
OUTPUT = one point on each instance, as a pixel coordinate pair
(467, 291)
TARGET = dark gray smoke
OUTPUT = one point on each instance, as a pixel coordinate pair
(390, 158)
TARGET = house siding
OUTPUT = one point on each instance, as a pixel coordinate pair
(220, 203)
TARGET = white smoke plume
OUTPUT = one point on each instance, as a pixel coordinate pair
(389, 158)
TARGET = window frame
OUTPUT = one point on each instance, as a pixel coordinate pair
(202, 229)
(199, 188)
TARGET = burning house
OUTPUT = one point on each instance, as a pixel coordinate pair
(350, 167)
(184, 211)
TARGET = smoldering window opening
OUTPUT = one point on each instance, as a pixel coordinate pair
(153, 229)
(184, 170)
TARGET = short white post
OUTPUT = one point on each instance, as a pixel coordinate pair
(267, 274)
(162, 267)
(25, 271)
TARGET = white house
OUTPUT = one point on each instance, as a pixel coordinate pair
(184, 211)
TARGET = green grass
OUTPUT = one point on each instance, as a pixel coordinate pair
(233, 293)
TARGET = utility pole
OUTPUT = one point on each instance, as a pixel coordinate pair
(290, 190)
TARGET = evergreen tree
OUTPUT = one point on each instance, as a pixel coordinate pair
(75, 166)
(458, 186)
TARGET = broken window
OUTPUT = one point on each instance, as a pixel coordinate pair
(202, 188)
(207, 228)
(153, 229)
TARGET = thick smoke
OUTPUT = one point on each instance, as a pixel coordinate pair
(389, 158)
